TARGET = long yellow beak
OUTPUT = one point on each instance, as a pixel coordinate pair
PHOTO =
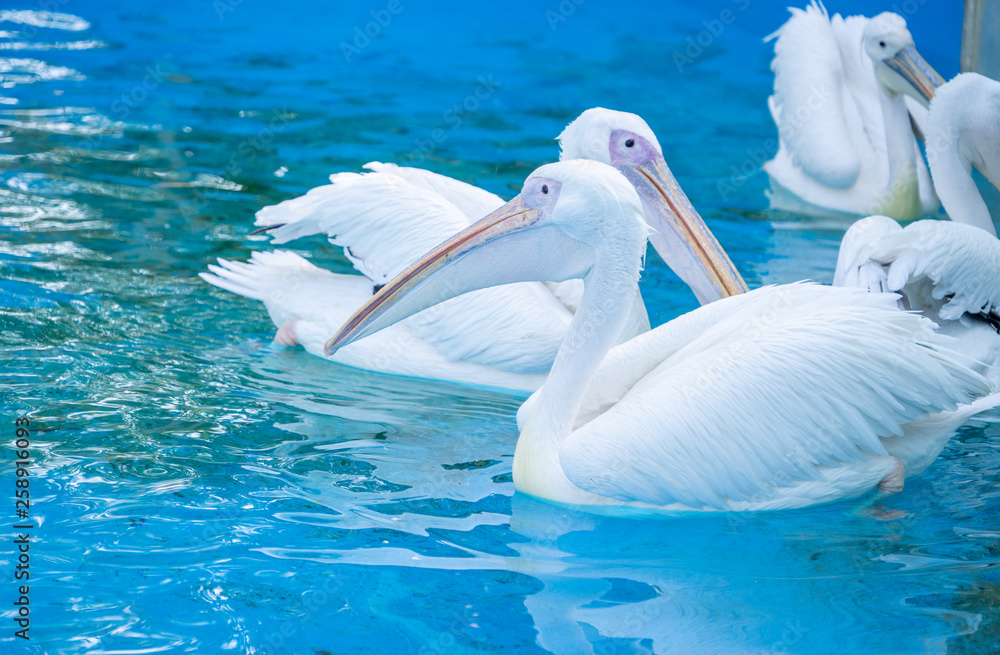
(681, 237)
(480, 256)
(399, 298)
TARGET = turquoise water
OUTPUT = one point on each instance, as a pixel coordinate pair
(197, 490)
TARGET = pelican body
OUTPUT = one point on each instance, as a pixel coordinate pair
(948, 270)
(781, 397)
(843, 99)
(505, 337)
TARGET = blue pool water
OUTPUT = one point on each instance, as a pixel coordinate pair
(197, 490)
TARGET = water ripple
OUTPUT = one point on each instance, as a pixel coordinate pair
(60, 45)
(49, 19)
(28, 71)
(202, 490)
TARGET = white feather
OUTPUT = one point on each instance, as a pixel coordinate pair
(764, 401)
(505, 350)
(830, 110)
(780, 397)
(811, 116)
(416, 210)
(858, 263)
(955, 258)
(383, 221)
(947, 270)
(470, 200)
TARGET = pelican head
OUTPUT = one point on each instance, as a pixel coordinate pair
(679, 234)
(898, 65)
(569, 218)
(589, 136)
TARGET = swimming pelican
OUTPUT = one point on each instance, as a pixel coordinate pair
(948, 270)
(842, 91)
(504, 337)
(781, 397)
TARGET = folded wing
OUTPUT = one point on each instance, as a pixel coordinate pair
(800, 391)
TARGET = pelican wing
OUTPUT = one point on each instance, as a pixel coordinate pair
(787, 386)
(962, 263)
(516, 328)
(470, 200)
(293, 288)
(383, 221)
(476, 203)
(812, 105)
(857, 262)
(387, 219)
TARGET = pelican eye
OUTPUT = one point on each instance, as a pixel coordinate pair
(545, 188)
(629, 143)
(881, 44)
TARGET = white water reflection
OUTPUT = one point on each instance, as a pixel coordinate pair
(28, 71)
(49, 19)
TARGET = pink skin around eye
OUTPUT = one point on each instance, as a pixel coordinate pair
(641, 151)
(535, 197)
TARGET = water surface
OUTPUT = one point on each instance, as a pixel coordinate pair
(199, 490)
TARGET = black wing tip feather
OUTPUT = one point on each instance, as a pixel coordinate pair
(267, 228)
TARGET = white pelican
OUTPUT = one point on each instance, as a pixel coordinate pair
(842, 88)
(948, 270)
(781, 397)
(504, 337)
